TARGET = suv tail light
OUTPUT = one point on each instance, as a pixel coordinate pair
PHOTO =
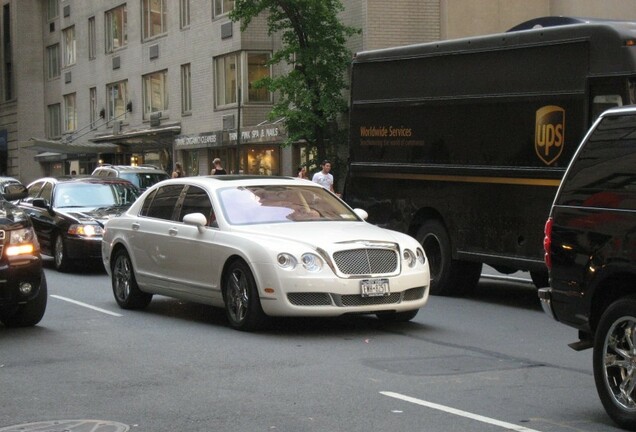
(547, 242)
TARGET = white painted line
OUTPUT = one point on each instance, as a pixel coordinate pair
(477, 417)
(87, 306)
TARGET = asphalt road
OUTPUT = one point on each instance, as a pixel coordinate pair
(490, 362)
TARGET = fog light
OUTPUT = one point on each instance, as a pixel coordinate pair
(25, 288)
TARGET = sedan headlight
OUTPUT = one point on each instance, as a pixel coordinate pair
(409, 257)
(420, 256)
(286, 261)
(22, 241)
(85, 230)
(312, 262)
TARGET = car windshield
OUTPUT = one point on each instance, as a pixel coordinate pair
(144, 180)
(94, 195)
(281, 203)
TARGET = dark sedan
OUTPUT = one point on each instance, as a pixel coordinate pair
(68, 214)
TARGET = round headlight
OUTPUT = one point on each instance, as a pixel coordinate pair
(409, 257)
(311, 262)
(420, 256)
(286, 261)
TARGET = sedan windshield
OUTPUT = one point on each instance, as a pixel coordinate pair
(94, 195)
(281, 203)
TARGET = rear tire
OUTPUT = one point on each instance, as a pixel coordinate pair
(28, 314)
(449, 277)
(125, 289)
(614, 357)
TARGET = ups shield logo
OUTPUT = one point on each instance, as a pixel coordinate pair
(549, 133)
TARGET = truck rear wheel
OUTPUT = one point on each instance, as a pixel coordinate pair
(449, 277)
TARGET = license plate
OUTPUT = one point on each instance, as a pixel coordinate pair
(374, 287)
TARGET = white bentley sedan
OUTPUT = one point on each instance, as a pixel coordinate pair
(259, 247)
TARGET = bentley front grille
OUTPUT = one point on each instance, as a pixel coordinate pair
(366, 261)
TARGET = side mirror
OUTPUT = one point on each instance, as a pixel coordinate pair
(14, 192)
(196, 219)
(361, 213)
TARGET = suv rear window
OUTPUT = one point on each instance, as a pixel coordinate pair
(603, 174)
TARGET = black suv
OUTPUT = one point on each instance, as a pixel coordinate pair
(590, 250)
(142, 176)
(23, 292)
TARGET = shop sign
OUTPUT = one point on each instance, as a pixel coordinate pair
(258, 134)
(203, 140)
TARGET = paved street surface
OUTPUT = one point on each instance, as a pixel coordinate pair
(491, 362)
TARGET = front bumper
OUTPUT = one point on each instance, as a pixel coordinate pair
(287, 294)
(83, 248)
(14, 273)
(545, 295)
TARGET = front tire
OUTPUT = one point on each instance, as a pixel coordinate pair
(615, 362)
(28, 314)
(125, 289)
(449, 277)
(60, 256)
(242, 302)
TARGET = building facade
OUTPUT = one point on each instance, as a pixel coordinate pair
(160, 81)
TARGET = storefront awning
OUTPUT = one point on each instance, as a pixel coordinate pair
(160, 135)
(51, 146)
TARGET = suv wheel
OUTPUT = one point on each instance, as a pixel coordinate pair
(615, 361)
(28, 314)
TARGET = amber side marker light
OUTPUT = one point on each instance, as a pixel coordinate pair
(630, 42)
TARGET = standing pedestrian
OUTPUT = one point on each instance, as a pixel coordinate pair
(302, 172)
(324, 177)
(218, 167)
(178, 171)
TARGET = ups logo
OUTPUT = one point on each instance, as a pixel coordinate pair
(549, 133)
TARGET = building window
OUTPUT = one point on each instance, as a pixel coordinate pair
(257, 69)
(186, 89)
(68, 36)
(70, 113)
(53, 59)
(54, 121)
(226, 79)
(92, 39)
(93, 106)
(184, 13)
(154, 18)
(117, 94)
(53, 9)
(7, 63)
(229, 72)
(222, 7)
(155, 92)
(116, 24)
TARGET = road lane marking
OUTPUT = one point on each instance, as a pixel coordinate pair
(477, 417)
(86, 305)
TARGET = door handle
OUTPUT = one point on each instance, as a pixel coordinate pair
(173, 231)
(135, 226)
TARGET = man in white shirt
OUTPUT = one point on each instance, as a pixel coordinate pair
(324, 177)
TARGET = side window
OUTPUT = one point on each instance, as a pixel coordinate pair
(197, 201)
(604, 172)
(47, 192)
(34, 190)
(146, 205)
(164, 202)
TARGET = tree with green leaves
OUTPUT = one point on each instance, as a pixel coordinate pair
(310, 96)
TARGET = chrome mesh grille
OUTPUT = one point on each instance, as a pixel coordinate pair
(356, 300)
(366, 261)
(309, 299)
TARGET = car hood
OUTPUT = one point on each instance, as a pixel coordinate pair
(101, 214)
(322, 234)
(12, 216)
